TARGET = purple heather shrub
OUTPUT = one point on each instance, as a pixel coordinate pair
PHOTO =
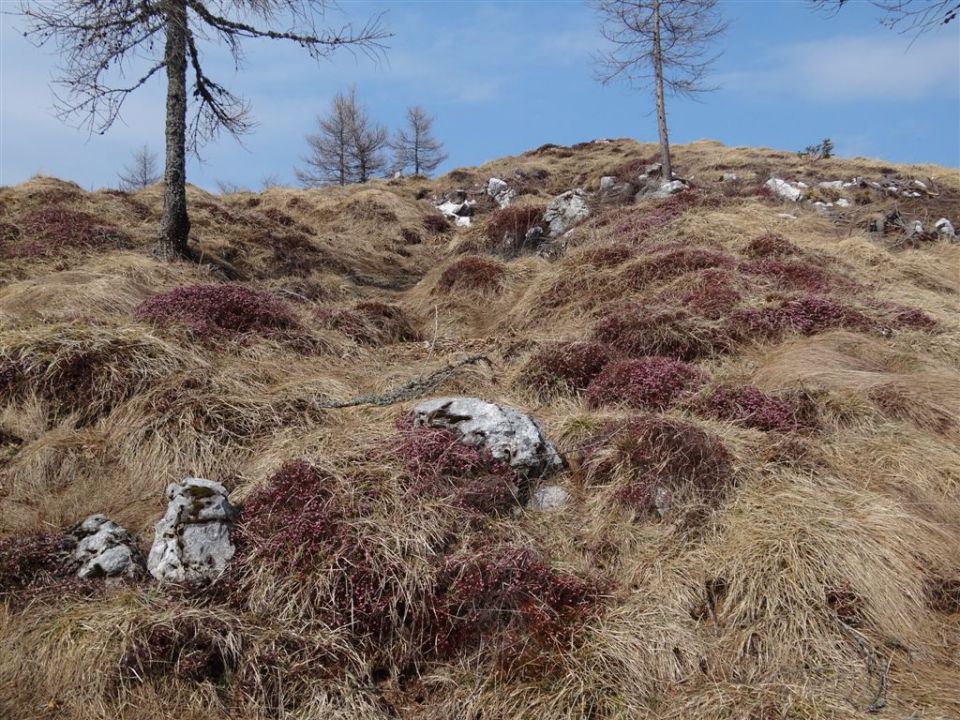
(566, 366)
(648, 382)
(751, 407)
(472, 273)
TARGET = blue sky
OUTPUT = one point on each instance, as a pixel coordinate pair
(503, 77)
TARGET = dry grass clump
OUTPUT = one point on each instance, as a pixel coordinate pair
(507, 227)
(565, 367)
(652, 383)
(370, 323)
(31, 561)
(711, 293)
(654, 462)
(794, 274)
(803, 314)
(771, 245)
(673, 263)
(219, 310)
(609, 256)
(472, 273)
(639, 329)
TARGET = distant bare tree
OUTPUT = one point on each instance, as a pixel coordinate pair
(660, 42)
(111, 49)
(348, 146)
(414, 145)
(907, 16)
(143, 171)
(368, 141)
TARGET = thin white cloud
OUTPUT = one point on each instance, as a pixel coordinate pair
(855, 69)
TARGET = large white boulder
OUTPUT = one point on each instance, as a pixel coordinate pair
(192, 541)
(784, 189)
(101, 548)
(566, 210)
(508, 435)
(945, 228)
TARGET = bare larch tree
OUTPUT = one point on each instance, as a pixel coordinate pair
(415, 147)
(665, 43)
(907, 16)
(142, 171)
(347, 147)
(111, 48)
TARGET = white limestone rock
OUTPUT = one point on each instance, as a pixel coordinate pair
(945, 228)
(508, 435)
(192, 541)
(549, 497)
(500, 191)
(565, 211)
(784, 189)
(101, 548)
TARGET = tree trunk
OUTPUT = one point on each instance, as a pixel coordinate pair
(661, 108)
(175, 225)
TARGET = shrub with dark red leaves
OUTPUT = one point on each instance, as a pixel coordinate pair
(805, 314)
(608, 256)
(751, 407)
(640, 330)
(566, 366)
(301, 526)
(712, 293)
(903, 316)
(438, 465)
(436, 223)
(472, 273)
(279, 217)
(796, 275)
(650, 382)
(292, 253)
(31, 561)
(51, 230)
(511, 592)
(771, 245)
(659, 455)
(508, 226)
(370, 323)
(219, 310)
(187, 648)
(673, 263)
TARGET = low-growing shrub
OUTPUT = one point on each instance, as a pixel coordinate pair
(508, 226)
(219, 310)
(472, 273)
(771, 245)
(650, 382)
(188, 648)
(673, 263)
(804, 314)
(712, 293)
(640, 330)
(31, 561)
(902, 316)
(51, 230)
(793, 274)
(435, 223)
(291, 254)
(510, 594)
(751, 407)
(566, 366)
(650, 456)
(370, 323)
(608, 256)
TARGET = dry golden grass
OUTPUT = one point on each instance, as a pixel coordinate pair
(808, 589)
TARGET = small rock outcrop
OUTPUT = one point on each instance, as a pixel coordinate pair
(459, 211)
(501, 193)
(945, 227)
(508, 435)
(549, 497)
(667, 189)
(101, 548)
(784, 189)
(192, 541)
(565, 211)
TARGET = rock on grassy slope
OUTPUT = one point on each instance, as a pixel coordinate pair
(757, 401)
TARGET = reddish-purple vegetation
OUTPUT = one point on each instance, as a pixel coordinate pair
(51, 230)
(370, 323)
(435, 223)
(797, 275)
(438, 465)
(189, 648)
(751, 407)
(566, 366)
(650, 382)
(637, 329)
(673, 263)
(846, 604)
(31, 561)
(219, 310)
(608, 256)
(513, 592)
(509, 225)
(660, 454)
(711, 293)
(771, 246)
(472, 273)
(804, 314)
(902, 316)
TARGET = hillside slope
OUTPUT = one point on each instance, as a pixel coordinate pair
(758, 403)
